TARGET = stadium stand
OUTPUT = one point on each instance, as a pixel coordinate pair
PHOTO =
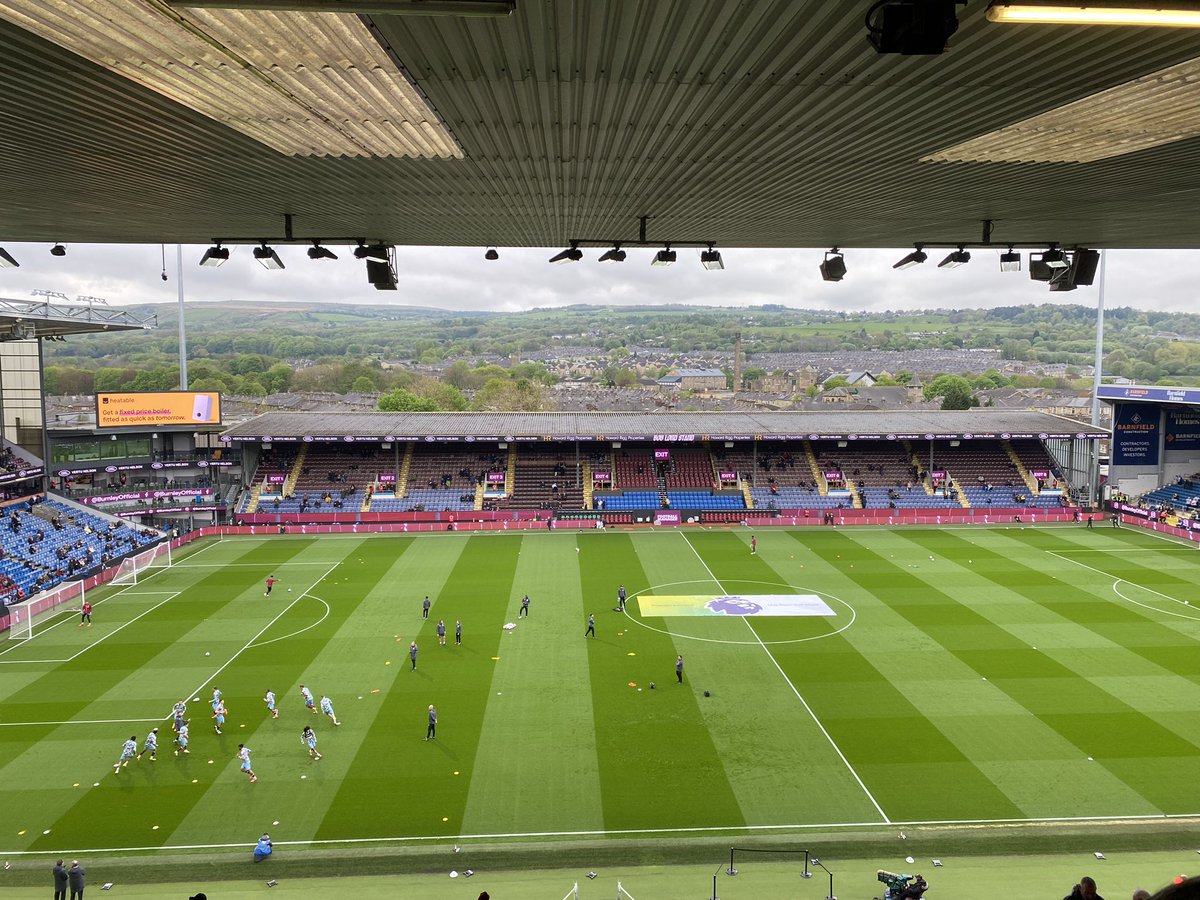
(634, 470)
(1182, 495)
(12, 460)
(46, 543)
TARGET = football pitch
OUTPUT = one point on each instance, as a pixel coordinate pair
(886, 678)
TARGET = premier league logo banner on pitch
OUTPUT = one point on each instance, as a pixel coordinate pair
(734, 605)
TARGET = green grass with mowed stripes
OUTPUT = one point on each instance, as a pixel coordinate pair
(965, 675)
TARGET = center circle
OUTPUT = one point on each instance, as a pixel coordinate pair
(775, 584)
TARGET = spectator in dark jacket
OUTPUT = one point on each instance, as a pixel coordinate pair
(60, 881)
(75, 877)
(1085, 890)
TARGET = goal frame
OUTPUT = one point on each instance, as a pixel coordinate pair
(132, 569)
(22, 616)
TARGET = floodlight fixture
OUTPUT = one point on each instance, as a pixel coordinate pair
(1010, 261)
(1097, 12)
(616, 254)
(1055, 258)
(267, 256)
(316, 251)
(915, 258)
(833, 267)
(955, 258)
(912, 27)
(571, 254)
(492, 254)
(711, 258)
(373, 252)
(215, 256)
(58, 250)
(1038, 270)
(6, 260)
(664, 257)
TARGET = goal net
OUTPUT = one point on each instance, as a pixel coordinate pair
(134, 568)
(22, 616)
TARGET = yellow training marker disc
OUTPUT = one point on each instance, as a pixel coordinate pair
(631, 654)
(455, 773)
(154, 828)
(21, 832)
(445, 819)
(495, 658)
(76, 784)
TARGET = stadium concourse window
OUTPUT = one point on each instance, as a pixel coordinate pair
(86, 451)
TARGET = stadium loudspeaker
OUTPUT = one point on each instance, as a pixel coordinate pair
(1084, 265)
(381, 275)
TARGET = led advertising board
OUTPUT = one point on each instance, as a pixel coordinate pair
(152, 409)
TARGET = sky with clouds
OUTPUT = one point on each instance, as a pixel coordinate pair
(455, 278)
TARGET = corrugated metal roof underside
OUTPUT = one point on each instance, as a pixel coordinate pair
(766, 123)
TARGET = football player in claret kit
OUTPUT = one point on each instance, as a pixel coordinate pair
(271, 579)
(85, 614)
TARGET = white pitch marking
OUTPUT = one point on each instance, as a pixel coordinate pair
(625, 831)
(79, 722)
(302, 630)
(261, 631)
(799, 696)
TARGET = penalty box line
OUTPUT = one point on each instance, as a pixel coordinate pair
(260, 633)
(65, 617)
(799, 696)
(170, 595)
(78, 722)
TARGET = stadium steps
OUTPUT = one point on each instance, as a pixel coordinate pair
(961, 494)
(1030, 481)
(923, 475)
(366, 501)
(479, 492)
(289, 486)
(855, 497)
(255, 494)
(588, 487)
(815, 468)
(510, 471)
(402, 484)
(746, 495)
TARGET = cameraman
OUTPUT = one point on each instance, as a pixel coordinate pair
(915, 890)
